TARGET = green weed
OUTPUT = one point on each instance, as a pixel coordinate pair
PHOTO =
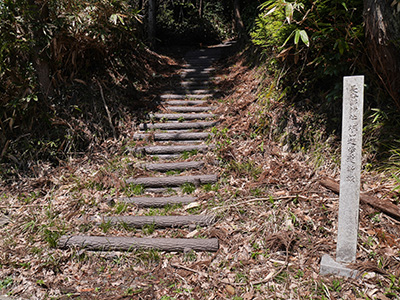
(188, 188)
(188, 154)
(211, 187)
(133, 190)
(52, 236)
(148, 256)
(28, 198)
(245, 168)
(173, 172)
(105, 226)
(121, 208)
(148, 229)
(6, 282)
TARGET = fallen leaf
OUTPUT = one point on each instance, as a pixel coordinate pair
(230, 289)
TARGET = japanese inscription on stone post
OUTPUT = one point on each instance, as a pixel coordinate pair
(353, 98)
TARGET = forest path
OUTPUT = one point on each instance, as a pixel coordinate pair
(176, 139)
(247, 220)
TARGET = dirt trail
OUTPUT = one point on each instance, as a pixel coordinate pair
(197, 204)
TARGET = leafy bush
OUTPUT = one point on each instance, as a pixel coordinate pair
(310, 46)
(179, 22)
(323, 39)
(81, 45)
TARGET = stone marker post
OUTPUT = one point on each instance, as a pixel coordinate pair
(350, 170)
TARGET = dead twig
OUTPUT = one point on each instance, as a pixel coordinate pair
(107, 110)
(189, 269)
(259, 199)
(22, 206)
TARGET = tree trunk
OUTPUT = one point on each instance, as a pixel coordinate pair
(382, 33)
(152, 23)
(200, 8)
(239, 22)
(40, 16)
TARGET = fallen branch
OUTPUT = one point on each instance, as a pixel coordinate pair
(379, 204)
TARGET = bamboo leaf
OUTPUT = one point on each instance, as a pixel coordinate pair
(288, 38)
(289, 12)
(304, 37)
(271, 11)
(296, 36)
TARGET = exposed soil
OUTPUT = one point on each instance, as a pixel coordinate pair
(275, 220)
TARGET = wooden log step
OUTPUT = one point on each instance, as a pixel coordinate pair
(178, 166)
(184, 91)
(174, 136)
(178, 125)
(183, 116)
(111, 243)
(158, 221)
(197, 58)
(171, 149)
(170, 181)
(195, 82)
(198, 70)
(186, 96)
(190, 84)
(190, 109)
(186, 102)
(198, 77)
(154, 201)
(200, 63)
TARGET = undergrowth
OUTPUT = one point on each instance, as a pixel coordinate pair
(307, 48)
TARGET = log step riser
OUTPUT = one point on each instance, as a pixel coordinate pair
(183, 117)
(186, 102)
(111, 243)
(186, 96)
(178, 126)
(172, 149)
(180, 136)
(172, 181)
(157, 221)
(189, 109)
(153, 201)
